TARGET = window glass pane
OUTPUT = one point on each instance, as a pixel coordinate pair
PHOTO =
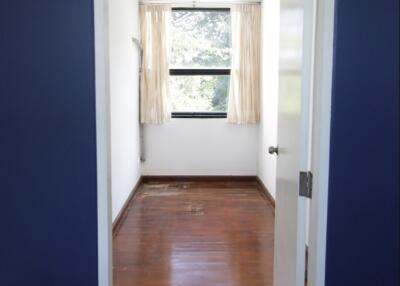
(200, 39)
(204, 93)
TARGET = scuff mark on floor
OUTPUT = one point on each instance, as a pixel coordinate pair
(159, 191)
(195, 210)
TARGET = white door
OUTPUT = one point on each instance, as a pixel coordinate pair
(295, 76)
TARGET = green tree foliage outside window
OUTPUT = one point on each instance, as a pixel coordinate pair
(200, 40)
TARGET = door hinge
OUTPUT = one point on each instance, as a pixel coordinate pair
(305, 187)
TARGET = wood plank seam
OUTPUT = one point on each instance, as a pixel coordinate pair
(144, 179)
(199, 233)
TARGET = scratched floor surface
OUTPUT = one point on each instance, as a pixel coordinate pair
(196, 234)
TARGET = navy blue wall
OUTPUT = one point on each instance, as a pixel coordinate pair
(48, 143)
(363, 211)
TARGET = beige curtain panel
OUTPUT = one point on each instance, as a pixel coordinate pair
(154, 23)
(244, 91)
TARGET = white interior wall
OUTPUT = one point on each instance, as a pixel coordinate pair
(185, 146)
(124, 100)
(269, 93)
(200, 147)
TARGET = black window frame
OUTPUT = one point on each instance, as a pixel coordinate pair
(199, 71)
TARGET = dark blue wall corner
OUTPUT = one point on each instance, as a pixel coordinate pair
(48, 201)
(363, 206)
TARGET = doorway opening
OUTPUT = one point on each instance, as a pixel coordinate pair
(230, 148)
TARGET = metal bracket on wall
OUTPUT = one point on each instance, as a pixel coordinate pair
(305, 186)
(141, 128)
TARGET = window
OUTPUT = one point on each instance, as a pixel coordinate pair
(200, 62)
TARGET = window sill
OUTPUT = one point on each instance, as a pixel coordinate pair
(199, 115)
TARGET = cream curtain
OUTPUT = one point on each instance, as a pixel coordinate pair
(244, 91)
(154, 23)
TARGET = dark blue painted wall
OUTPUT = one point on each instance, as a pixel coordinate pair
(48, 232)
(363, 211)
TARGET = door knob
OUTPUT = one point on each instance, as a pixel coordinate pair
(272, 150)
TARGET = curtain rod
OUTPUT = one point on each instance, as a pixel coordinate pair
(194, 3)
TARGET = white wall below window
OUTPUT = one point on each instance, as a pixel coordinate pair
(124, 100)
(200, 147)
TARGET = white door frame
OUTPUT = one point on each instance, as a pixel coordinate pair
(321, 104)
(104, 218)
(320, 145)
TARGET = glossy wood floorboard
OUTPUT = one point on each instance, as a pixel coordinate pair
(196, 234)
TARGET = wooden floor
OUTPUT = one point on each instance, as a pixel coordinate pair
(196, 234)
